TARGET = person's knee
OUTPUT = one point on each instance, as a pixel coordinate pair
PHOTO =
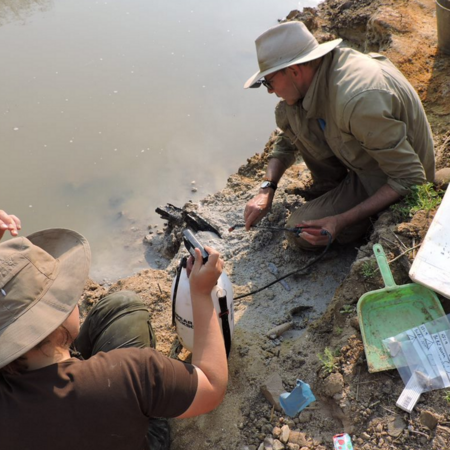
(120, 301)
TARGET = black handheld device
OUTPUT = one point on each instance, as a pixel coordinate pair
(191, 242)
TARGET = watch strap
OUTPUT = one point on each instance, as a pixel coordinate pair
(268, 184)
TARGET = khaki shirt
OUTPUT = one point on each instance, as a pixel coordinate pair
(372, 120)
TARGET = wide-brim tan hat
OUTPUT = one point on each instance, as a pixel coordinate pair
(42, 278)
(285, 45)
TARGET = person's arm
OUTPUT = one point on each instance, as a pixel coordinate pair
(208, 354)
(384, 197)
(259, 205)
(9, 222)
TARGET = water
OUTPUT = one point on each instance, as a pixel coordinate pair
(110, 109)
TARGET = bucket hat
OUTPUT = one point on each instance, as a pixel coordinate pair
(285, 45)
(42, 277)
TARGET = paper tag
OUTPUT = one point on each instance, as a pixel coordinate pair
(410, 395)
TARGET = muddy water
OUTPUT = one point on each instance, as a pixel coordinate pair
(112, 108)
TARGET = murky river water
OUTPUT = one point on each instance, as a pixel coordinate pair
(112, 108)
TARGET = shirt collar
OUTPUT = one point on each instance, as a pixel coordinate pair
(317, 95)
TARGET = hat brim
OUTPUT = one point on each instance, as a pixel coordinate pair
(74, 256)
(318, 52)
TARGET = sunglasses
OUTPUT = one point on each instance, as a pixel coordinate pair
(266, 83)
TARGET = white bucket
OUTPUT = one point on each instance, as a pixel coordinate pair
(184, 319)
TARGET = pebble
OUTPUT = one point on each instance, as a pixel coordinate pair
(305, 417)
(277, 445)
(285, 432)
(396, 427)
(296, 437)
(272, 388)
(334, 384)
(276, 432)
(428, 419)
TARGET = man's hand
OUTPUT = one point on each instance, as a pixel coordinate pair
(258, 207)
(203, 277)
(384, 197)
(332, 224)
(9, 222)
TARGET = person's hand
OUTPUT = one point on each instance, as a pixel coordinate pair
(9, 222)
(203, 277)
(313, 235)
(257, 208)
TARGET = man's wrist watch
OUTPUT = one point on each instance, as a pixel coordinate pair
(268, 184)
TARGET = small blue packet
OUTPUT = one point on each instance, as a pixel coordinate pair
(294, 402)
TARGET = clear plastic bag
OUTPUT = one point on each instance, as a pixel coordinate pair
(422, 354)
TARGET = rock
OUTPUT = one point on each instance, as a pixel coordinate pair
(276, 432)
(295, 437)
(396, 427)
(291, 446)
(285, 432)
(293, 14)
(354, 322)
(277, 445)
(272, 389)
(304, 417)
(428, 419)
(333, 384)
(268, 443)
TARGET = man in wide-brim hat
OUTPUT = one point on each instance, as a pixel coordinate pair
(356, 122)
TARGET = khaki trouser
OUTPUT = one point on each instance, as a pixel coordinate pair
(349, 193)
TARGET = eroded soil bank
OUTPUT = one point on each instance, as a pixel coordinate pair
(321, 302)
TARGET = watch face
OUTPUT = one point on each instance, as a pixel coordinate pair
(268, 184)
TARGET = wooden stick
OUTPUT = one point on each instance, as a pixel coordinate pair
(399, 240)
(404, 253)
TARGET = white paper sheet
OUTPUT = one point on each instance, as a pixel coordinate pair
(431, 266)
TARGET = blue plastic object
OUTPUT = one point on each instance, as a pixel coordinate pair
(294, 402)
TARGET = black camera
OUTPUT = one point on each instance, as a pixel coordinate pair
(191, 242)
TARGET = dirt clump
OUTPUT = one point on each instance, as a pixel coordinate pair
(324, 346)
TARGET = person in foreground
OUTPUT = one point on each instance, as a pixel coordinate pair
(355, 120)
(114, 396)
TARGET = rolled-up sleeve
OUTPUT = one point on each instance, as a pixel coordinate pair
(284, 148)
(374, 118)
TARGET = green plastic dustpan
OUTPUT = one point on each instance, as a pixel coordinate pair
(389, 311)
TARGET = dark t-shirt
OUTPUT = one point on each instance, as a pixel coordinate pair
(101, 403)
